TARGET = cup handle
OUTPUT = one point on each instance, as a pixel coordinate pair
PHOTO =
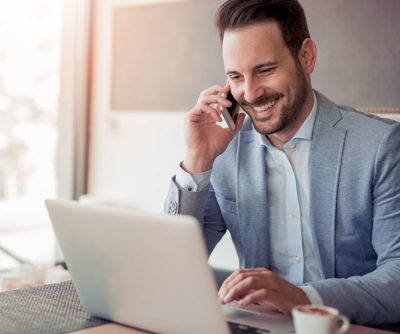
(345, 324)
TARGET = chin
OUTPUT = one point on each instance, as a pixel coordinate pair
(266, 126)
(265, 130)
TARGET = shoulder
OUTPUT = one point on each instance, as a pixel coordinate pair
(364, 120)
(351, 120)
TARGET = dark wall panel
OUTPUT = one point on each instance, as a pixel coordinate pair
(164, 55)
(358, 44)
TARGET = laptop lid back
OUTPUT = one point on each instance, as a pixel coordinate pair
(144, 270)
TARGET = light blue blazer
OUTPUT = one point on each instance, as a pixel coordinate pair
(354, 208)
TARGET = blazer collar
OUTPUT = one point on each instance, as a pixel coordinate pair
(325, 162)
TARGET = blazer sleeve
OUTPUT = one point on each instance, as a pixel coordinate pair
(201, 205)
(374, 298)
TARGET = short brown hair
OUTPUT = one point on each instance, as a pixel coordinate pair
(289, 15)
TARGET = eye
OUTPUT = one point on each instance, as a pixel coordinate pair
(266, 70)
(234, 77)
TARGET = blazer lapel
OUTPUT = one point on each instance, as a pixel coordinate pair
(252, 201)
(325, 161)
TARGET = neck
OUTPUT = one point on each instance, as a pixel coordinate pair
(279, 139)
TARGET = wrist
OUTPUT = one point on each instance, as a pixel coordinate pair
(194, 164)
(302, 297)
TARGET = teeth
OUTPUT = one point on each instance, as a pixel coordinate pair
(265, 106)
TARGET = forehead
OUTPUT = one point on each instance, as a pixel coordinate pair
(251, 45)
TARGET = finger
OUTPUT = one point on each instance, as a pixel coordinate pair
(236, 276)
(268, 305)
(283, 299)
(241, 281)
(201, 110)
(241, 284)
(263, 297)
(197, 114)
(267, 298)
(224, 286)
(215, 113)
(214, 90)
(242, 271)
(242, 288)
(238, 126)
(255, 297)
(215, 99)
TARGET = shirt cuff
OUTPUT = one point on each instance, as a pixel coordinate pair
(312, 294)
(195, 182)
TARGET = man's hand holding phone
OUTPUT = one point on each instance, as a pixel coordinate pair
(230, 113)
(205, 139)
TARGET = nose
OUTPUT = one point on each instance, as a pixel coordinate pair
(252, 90)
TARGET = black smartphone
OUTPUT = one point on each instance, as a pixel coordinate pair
(230, 114)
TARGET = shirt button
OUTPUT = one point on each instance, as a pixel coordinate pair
(296, 259)
(190, 188)
(290, 171)
(293, 214)
(291, 146)
(173, 205)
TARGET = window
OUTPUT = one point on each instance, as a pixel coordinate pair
(30, 35)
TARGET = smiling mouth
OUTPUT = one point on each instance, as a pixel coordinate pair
(266, 107)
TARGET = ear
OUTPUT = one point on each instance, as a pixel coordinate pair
(308, 55)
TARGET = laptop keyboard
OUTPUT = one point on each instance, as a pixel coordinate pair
(245, 329)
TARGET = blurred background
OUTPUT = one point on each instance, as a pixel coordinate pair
(93, 94)
(30, 45)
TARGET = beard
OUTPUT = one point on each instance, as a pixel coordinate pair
(288, 111)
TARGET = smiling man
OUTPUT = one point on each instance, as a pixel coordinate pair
(309, 190)
(271, 85)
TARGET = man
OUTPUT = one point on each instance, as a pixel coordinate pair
(309, 190)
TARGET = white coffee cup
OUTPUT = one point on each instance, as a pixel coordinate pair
(318, 319)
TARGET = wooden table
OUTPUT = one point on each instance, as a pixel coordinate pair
(55, 309)
(118, 329)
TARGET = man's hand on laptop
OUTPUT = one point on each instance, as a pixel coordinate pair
(205, 139)
(260, 285)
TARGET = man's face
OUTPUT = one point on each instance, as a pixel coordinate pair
(264, 78)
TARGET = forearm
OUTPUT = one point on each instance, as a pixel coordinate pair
(372, 299)
(185, 202)
(200, 204)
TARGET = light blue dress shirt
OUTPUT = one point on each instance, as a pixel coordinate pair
(292, 253)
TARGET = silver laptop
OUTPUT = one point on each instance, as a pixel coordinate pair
(149, 271)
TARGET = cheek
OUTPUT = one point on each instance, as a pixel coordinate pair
(277, 83)
(237, 92)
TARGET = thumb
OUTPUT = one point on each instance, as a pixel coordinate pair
(239, 122)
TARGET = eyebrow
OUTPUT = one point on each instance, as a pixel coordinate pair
(256, 67)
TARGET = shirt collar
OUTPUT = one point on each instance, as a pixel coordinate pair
(304, 132)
